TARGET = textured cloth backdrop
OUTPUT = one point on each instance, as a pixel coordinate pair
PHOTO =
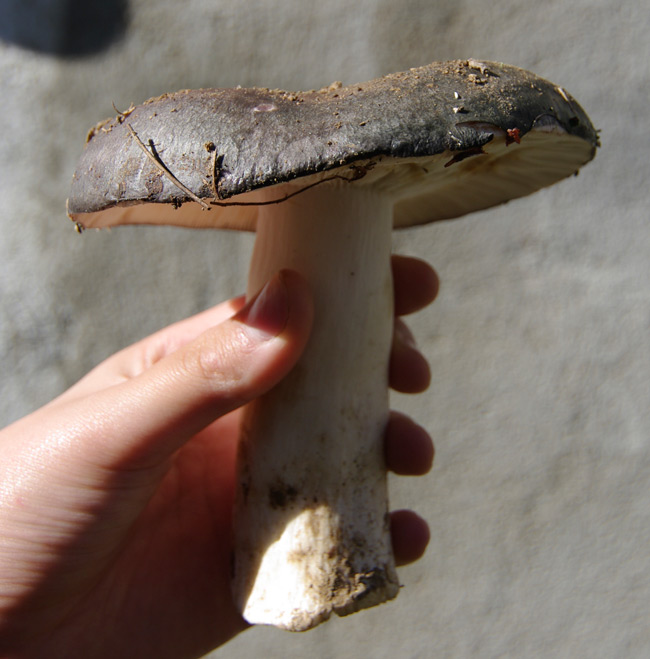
(539, 501)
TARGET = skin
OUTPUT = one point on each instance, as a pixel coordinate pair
(115, 498)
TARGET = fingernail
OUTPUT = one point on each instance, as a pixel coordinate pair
(268, 311)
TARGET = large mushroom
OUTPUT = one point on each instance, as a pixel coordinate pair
(324, 177)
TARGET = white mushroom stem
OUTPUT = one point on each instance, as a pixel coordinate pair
(311, 515)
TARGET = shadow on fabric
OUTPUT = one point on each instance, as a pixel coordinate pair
(64, 28)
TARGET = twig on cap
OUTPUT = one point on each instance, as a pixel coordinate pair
(358, 172)
(157, 161)
(121, 116)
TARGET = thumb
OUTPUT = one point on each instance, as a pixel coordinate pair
(152, 415)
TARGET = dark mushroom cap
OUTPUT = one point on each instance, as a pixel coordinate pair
(444, 140)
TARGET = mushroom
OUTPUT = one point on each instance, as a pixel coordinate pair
(324, 177)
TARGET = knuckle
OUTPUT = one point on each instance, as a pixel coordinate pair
(218, 362)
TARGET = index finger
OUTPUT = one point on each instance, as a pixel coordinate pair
(138, 357)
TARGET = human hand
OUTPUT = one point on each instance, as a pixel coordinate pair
(115, 498)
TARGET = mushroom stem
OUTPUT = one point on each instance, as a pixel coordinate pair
(311, 515)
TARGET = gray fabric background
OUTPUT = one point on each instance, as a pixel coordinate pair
(539, 502)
